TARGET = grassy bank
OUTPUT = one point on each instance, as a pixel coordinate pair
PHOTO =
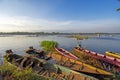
(11, 72)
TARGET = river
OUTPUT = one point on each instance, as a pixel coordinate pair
(20, 43)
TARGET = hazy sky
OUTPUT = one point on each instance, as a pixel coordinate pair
(59, 15)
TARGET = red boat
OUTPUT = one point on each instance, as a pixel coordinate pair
(108, 59)
(66, 53)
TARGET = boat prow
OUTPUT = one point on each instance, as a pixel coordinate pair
(66, 53)
(113, 54)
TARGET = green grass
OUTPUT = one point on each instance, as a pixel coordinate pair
(79, 37)
(49, 45)
(11, 72)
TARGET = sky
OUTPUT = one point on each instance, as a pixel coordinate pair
(87, 16)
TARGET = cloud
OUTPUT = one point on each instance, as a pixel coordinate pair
(23, 23)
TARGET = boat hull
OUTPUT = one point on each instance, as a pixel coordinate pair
(44, 68)
(66, 53)
(78, 66)
(112, 54)
(108, 59)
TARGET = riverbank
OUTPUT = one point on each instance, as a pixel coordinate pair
(11, 72)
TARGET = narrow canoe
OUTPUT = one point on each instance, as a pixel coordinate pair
(46, 69)
(78, 66)
(66, 53)
(54, 58)
(38, 53)
(108, 59)
(113, 54)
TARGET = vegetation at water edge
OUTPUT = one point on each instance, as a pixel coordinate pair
(11, 72)
(49, 45)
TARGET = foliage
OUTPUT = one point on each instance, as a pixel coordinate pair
(49, 45)
(6, 69)
(79, 37)
(28, 75)
(118, 9)
(10, 72)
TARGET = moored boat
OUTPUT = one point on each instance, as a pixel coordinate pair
(66, 53)
(79, 66)
(113, 54)
(44, 68)
(72, 64)
(37, 53)
(109, 63)
(105, 58)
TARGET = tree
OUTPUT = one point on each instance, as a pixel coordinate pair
(118, 8)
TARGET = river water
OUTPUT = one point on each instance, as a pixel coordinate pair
(20, 43)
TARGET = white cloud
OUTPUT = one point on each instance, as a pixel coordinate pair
(24, 23)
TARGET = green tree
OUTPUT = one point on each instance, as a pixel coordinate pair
(118, 8)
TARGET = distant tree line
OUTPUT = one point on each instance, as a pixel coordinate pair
(54, 33)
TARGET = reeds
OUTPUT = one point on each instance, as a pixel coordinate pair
(49, 45)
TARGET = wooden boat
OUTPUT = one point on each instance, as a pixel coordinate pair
(76, 65)
(113, 54)
(38, 53)
(44, 68)
(66, 53)
(107, 59)
(79, 66)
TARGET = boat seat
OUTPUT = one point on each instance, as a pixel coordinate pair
(22, 64)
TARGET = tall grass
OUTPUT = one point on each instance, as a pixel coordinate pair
(10, 72)
(49, 45)
(79, 37)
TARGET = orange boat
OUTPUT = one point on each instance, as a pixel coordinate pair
(66, 53)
